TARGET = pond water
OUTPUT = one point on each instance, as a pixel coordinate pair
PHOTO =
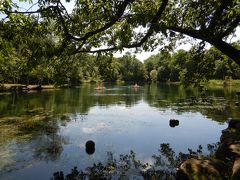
(44, 132)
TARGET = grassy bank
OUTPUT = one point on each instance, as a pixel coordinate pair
(228, 82)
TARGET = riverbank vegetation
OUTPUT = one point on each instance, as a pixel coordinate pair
(180, 66)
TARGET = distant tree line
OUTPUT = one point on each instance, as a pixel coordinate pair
(28, 66)
(191, 67)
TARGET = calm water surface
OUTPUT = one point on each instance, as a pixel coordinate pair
(44, 132)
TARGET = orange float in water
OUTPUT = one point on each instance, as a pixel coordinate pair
(99, 87)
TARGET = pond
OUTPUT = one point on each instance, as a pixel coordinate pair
(44, 132)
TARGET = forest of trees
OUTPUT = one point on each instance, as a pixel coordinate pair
(51, 46)
(189, 67)
(30, 58)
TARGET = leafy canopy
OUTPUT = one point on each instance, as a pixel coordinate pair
(141, 24)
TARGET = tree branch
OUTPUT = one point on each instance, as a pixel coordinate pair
(227, 49)
(153, 24)
(64, 9)
(235, 23)
(119, 14)
(65, 29)
(218, 13)
(224, 47)
(98, 50)
(144, 39)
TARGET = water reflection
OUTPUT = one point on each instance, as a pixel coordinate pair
(53, 126)
(48, 147)
(127, 166)
(157, 95)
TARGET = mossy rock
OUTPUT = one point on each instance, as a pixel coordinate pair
(201, 169)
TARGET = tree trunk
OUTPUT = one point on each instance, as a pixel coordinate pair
(227, 49)
(224, 47)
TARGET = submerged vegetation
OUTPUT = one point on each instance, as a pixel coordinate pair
(226, 82)
(24, 126)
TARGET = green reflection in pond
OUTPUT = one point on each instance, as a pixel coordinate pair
(36, 119)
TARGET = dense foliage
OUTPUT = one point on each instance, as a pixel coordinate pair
(191, 67)
(49, 45)
(118, 24)
(33, 66)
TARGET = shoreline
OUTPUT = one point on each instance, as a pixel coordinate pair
(5, 87)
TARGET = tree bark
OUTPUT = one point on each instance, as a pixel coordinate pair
(227, 49)
(222, 46)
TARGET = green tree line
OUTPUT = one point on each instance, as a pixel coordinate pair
(46, 44)
(191, 67)
(31, 52)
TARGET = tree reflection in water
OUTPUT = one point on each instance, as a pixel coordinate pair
(35, 119)
(49, 142)
(128, 167)
(49, 147)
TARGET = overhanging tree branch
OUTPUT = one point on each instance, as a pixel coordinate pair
(224, 47)
(216, 25)
(144, 39)
(218, 13)
(234, 24)
(118, 15)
